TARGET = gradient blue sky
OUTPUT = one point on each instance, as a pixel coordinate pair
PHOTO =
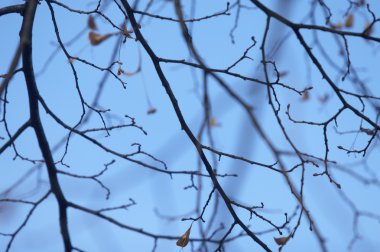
(166, 141)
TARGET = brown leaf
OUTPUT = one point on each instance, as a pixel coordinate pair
(184, 240)
(338, 25)
(91, 23)
(281, 241)
(213, 122)
(96, 39)
(368, 29)
(306, 96)
(125, 32)
(349, 21)
(151, 111)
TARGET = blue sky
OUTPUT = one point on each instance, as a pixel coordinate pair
(157, 192)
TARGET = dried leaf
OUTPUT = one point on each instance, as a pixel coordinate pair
(125, 32)
(150, 112)
(349, 21)
(368, 29)
(338, 25)
(213, 122)
(184, 240)
(281, 241)
(91, 23)
(306, 96)
(96, 39)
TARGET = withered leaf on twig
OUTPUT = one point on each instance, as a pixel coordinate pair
(282, 240)
(306, 96)
(184, 240)
(91, 23)
(124, 30)
(338, 25)
(368, 29)
(349, 21)
(96, 39)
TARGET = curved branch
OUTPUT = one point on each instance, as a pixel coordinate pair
(18, 8)
(185, 127)
(15, 136)
(37, 125)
